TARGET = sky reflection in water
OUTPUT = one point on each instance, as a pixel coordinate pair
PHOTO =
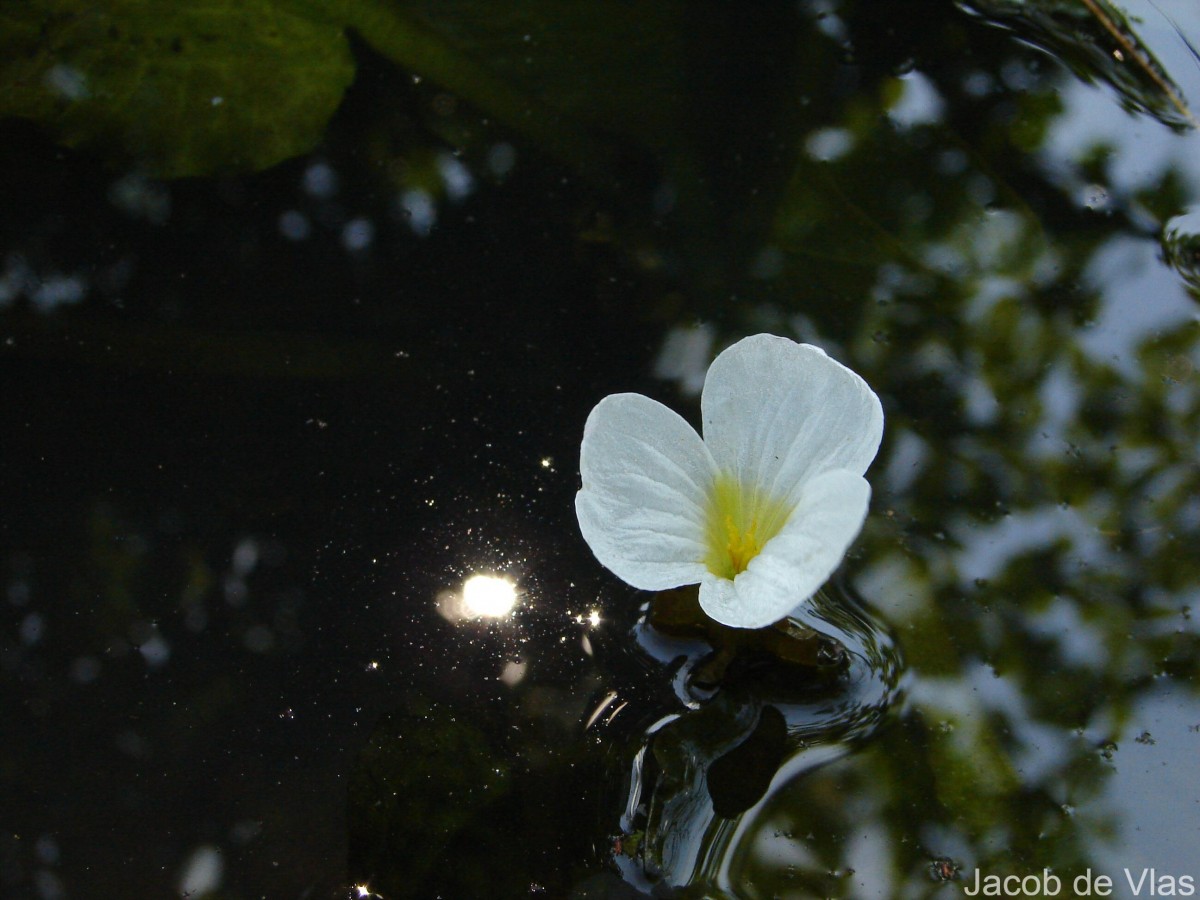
(261, 434)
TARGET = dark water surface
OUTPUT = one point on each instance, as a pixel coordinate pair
(281, 370)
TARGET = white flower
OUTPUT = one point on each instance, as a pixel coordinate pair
(761, 511)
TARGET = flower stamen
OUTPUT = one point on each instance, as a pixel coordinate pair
(741, 520)
(742, 547)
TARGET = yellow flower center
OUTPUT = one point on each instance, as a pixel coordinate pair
(741, 519)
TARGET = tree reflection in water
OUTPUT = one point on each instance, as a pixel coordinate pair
(257, 423)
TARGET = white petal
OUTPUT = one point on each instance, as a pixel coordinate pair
(798, 560)
(776, 413)
(646, 478)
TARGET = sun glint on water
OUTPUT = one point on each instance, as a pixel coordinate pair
(489, 596)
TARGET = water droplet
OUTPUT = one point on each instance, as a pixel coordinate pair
(1181, 245)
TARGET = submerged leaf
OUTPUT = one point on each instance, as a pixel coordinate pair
(177, 89)
(557, 72)
(677, 613)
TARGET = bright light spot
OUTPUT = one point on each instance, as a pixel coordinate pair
(514, 671)
(594, 618)
(489, 595)
(481, 597)
(202, 872)
(547, 462)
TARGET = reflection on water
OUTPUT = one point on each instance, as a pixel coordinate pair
(397, 337)
(489, 595)
(704, 777)
(480, 597)
(1181, 244)
(1098, 42)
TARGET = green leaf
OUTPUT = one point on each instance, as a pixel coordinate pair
(178, 89)
(601, 70)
